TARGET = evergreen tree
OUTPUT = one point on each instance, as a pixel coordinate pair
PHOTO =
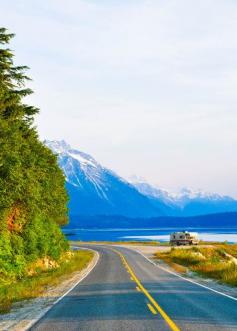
(33, 200)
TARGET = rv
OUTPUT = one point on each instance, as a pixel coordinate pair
(183, 238)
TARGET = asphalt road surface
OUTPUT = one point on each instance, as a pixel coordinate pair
(126, 292)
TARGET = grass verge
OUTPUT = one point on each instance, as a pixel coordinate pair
(218, 262)
(34, 286)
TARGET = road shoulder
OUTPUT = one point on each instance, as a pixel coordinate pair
(26, 313)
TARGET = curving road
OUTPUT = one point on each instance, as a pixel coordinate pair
(126, 292)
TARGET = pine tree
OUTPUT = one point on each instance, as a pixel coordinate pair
(33, 200)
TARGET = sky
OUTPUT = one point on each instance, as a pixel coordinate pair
(147, 87)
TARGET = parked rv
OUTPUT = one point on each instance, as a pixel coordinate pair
(183, 238)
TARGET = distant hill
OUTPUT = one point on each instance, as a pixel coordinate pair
(223, 220)
(187, 202)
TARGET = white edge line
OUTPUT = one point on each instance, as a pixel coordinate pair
(40, 316)
(188, 280)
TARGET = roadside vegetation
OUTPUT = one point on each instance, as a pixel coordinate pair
(34, 253)
(218, 261)
(33, 199)
(40, 277)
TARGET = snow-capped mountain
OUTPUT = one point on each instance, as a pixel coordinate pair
(187, 202)
(95, 190)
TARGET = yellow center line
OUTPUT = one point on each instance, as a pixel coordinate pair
(152, 309)
(138, 289)
(154, 303)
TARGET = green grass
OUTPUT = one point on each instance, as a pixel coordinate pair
(216, 262)
(34, 286)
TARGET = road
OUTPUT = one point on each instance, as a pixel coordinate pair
(126, 292)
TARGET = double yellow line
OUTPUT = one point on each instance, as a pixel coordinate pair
(153, 304)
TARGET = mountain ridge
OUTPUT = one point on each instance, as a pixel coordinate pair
(188, 202)
(96, 190)
(214, 221)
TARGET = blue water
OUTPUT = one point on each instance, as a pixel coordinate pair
(158, 234)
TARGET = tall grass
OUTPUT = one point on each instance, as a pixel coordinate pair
(217, 262)
(34, 286)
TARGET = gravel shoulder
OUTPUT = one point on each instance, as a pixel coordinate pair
(25, 313)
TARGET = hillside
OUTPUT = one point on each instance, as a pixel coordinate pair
(94, 189)
(187, 202)
(222, 220)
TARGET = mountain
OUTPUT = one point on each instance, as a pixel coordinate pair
(187, 202)
(95, 190)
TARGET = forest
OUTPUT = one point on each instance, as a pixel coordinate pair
(33, 199)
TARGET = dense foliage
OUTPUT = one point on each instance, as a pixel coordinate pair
(33, 199)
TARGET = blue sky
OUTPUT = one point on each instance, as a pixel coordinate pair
(148, 87)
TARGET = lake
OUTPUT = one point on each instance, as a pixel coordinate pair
(157, 234)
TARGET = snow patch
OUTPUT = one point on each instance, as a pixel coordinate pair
(81, 159)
